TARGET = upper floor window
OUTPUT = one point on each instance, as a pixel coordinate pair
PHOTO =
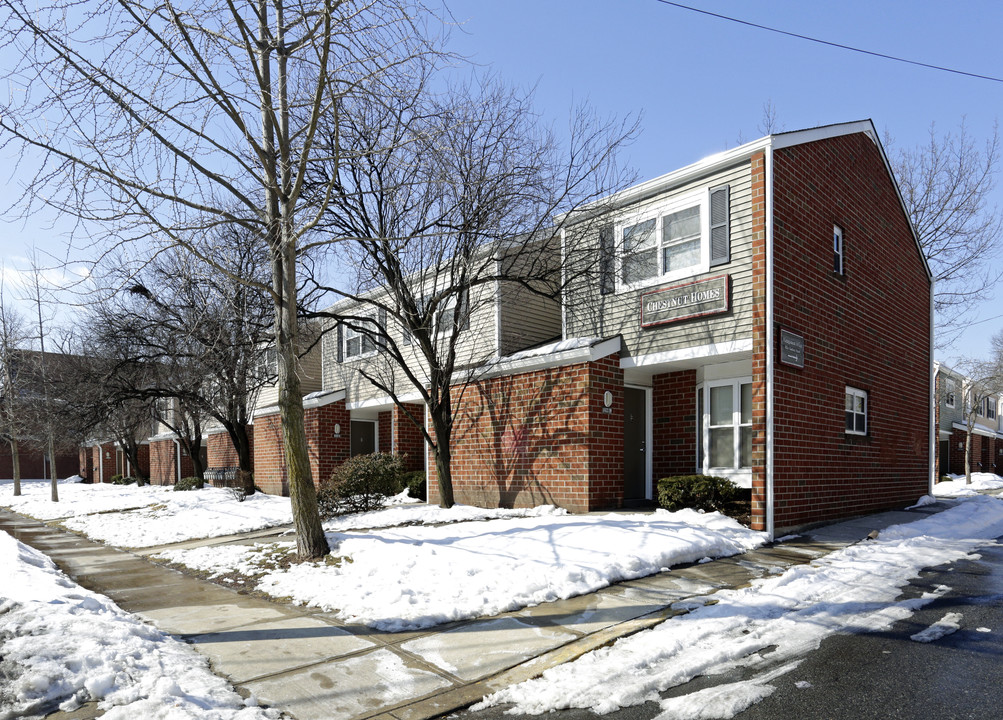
(358, 343)
(685, 237)
(839, 266)
(990, 404)
(856, 411)
(949, 393)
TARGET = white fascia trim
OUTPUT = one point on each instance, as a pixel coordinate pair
(163, 436)
(945, 434)
(270, 410)
(384, 401)
(322, 400)
(689, 353)
(574, 356)
(768, 252)
(977, 430)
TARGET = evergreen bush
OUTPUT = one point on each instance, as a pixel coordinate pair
(189, 483)
(700, 492)
(362, 483)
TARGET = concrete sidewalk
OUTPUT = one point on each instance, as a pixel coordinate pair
(311, 665)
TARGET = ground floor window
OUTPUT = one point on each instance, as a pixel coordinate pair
(724, 430)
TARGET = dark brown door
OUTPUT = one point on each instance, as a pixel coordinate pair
(363, 437)
(634, 450)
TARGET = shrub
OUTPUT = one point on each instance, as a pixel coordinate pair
(189, 483)
(362, 483)
(122, 480)
(116, 480)
(945, 478)
(701, 492)
(415, 483)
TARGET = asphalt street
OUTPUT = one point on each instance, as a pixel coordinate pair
(886, 675)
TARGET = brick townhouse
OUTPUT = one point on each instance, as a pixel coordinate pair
(954, 399)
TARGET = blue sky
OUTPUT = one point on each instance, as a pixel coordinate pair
(699, 83)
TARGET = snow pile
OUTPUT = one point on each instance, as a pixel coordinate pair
(62, 646)
(76, 498)
(405, 511)
(178, 516)
(853, 590)
(956, 486)
(417, 577)
(948, 624)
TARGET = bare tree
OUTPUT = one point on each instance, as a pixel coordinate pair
(170, 121)
(446, 198)
(13, 336)
(947, 185)
(983, 387)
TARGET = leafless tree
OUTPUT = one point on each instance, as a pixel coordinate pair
(947, 185)
(162, 120)
(13, 337)
(447, 197)
(983, 386)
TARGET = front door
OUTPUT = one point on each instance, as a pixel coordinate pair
(363, 437)
(635, 433)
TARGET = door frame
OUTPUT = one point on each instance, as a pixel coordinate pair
(649, 449)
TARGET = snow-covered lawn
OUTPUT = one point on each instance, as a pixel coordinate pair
(419, 576)
(957, 487)
(765, 629)
(76, 498)
(62, 645)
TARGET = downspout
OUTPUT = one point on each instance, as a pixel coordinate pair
(934, 430)
(100, 464)
(769, 340)
(177, 461)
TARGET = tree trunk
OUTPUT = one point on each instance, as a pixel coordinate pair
(52, 468)
(15, 460)
(242, 445)
(968, 458)
(443, 459)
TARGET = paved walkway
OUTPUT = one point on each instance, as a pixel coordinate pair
(311, 665)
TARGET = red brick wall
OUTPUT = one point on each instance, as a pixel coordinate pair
(220, 451)
(407, 438)
(32, 465)
(385, 432)
(164, 463)
(326, 450)
(869, 329)
(673, 414)
(540, 437)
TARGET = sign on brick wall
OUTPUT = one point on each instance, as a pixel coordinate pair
(683, 302)
(791, 348)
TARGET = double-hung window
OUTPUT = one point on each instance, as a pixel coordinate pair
(949, 393)
(856, 411)
(358, 343)
(682, 238)
(991, 408)
(724, 439)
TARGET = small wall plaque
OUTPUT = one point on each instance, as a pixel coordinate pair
(791, 348)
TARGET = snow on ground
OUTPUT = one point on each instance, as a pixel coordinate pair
(951, 622)
(419, 576)
(765, 629)
(76, 498)
(62, 645)
(956, 486)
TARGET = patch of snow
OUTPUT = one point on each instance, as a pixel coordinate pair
(803, 685)
(852, 590)
(62, 645)
(982, 629)
(957, 487)
(420, 576)
(554, 347)
(948, 624)
(923, 502)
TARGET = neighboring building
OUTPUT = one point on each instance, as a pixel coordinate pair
(953, 393)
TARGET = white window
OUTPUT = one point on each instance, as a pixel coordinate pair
(446, 313)
(990, 408)
(837, 250)
(949, 393)
(357, 343)
(674, 240)
(856, 411)
(724, 441)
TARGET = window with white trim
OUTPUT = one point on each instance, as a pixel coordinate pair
(990, 408)
(724, 441)
(684, 237)
(839, 265)
(358, 343)
(949, 393)
(856, 411)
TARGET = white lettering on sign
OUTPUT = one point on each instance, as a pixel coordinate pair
(694, 298)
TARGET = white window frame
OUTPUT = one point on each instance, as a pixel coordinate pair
(351, 333)
(838, 250)
(949, 393)
(742, 475)
(857, 393)
(990, 408)
(699, 199)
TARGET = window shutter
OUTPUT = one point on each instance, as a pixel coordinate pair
(720, 234)
(341, 343)
(607, 265)
(465, 309)
(381, 320)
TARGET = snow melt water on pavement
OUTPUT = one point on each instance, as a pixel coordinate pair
(852, 590)
(62, 645)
